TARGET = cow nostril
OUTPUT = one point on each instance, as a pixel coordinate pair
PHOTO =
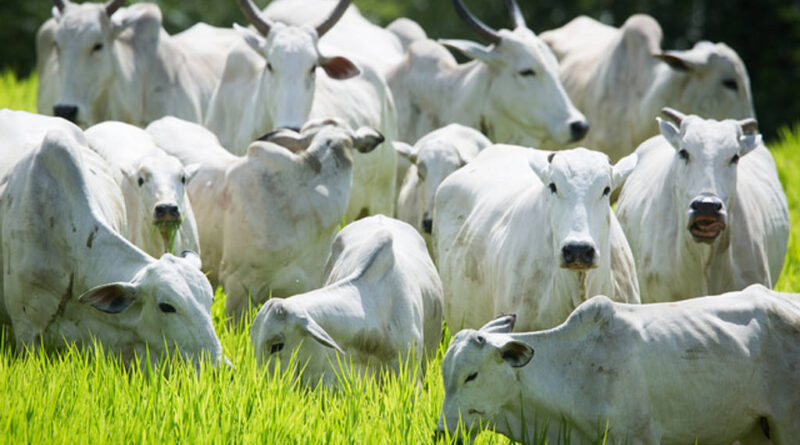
(167, 210)
(578, 130)
(579, 253)
(68, 112)
(717, 206)
(427, 225)
(706, 205)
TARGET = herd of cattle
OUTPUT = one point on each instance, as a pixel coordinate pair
(245, 150)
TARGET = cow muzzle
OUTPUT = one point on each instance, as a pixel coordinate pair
(706, 218)
(427, 225)
(166, 213)
(578, 256)
(68, 112)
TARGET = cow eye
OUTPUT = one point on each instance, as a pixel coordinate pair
(471, 377)
(269, 67)
(735, 159)
(684, 155)
(141, 182)
(97, 47)
(313, 70)
(606, 191)
(730, 84)
(183, 180)
(166, 308)
(553, 188)
(527, 72)
(276, 347)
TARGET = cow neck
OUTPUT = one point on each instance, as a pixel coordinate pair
(701, 260)
(125, 101)
(466, 90)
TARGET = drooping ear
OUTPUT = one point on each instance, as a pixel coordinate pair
(406, 151)
(670, 132)
(193, 258)
(366, 139)
(111, 298)
(471, 49)
(750, 138)
(339, 68)
(190, 171)
(516, 353)
(317, 333)
(130, 174)
(503, 324)
(622, 169)
(540, 164)
(253, 38)
(290, 139)
(144, 17)
(675, 60)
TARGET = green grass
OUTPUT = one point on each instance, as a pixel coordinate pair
(70, 398)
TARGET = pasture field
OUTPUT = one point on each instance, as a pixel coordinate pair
(68, 398)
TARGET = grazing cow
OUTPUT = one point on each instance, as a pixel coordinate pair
(711, 370)
(270, 82)
(510, 91)
(621, 78)
(381, 305)
(433, 158)
(159, 215)
(100, 62)
(704, 211)
(518, 230)
(267, 219)
(67, 276)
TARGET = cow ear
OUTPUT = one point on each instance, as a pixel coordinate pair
(110, 298)
(290, 139)
(670, 132)
(193, 258)
(516, 353)
(366, 139)
(406, 151)
(190, 171)
(503, 324)
(750, 138)
(471, 49)
(56, 13)
(675, 61)
(317, 333)
(339, 68)
(145, 17)
(254, 39)
(540, 164)
(622, 169)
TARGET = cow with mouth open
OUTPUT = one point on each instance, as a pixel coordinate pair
(704, 211)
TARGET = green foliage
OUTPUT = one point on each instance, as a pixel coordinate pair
(17, 94)
(787, 156)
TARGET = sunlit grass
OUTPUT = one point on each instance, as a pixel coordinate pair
(17, 94)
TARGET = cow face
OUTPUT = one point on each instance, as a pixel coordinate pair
(85, 40)
(480, 380)
(577, 187)
(525, 89)
(714, 82)
(707, 154)
(289, 77)
(167, 306)
(161, 185)
(281, 329)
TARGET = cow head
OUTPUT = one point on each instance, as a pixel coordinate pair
(282, 329)
(160, 182)
(704, 167)
(166, 306)
(479, 371)
(292, 57)
(525, 91)
(85, 43)
(577, 187)
(713, 82)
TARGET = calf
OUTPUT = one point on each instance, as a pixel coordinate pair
(381, 305)
(711, 370)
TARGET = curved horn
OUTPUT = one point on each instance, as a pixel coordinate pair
(516, 15)
(749, 126)
(478, 26)
(113, 5)
(337, 13)
(253, 16)
(673, 115)
(60, 4)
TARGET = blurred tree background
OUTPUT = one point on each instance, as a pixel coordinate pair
(765, 33)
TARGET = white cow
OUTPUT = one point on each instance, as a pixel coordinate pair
(518, 230)
(704, 210)
(433, 158)
(267, 219)
(69, 277)
(621, 78)
(271, 81)
(510, 91)
(100, 62)
(380, 307)
(711, 370)
(159, 216)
